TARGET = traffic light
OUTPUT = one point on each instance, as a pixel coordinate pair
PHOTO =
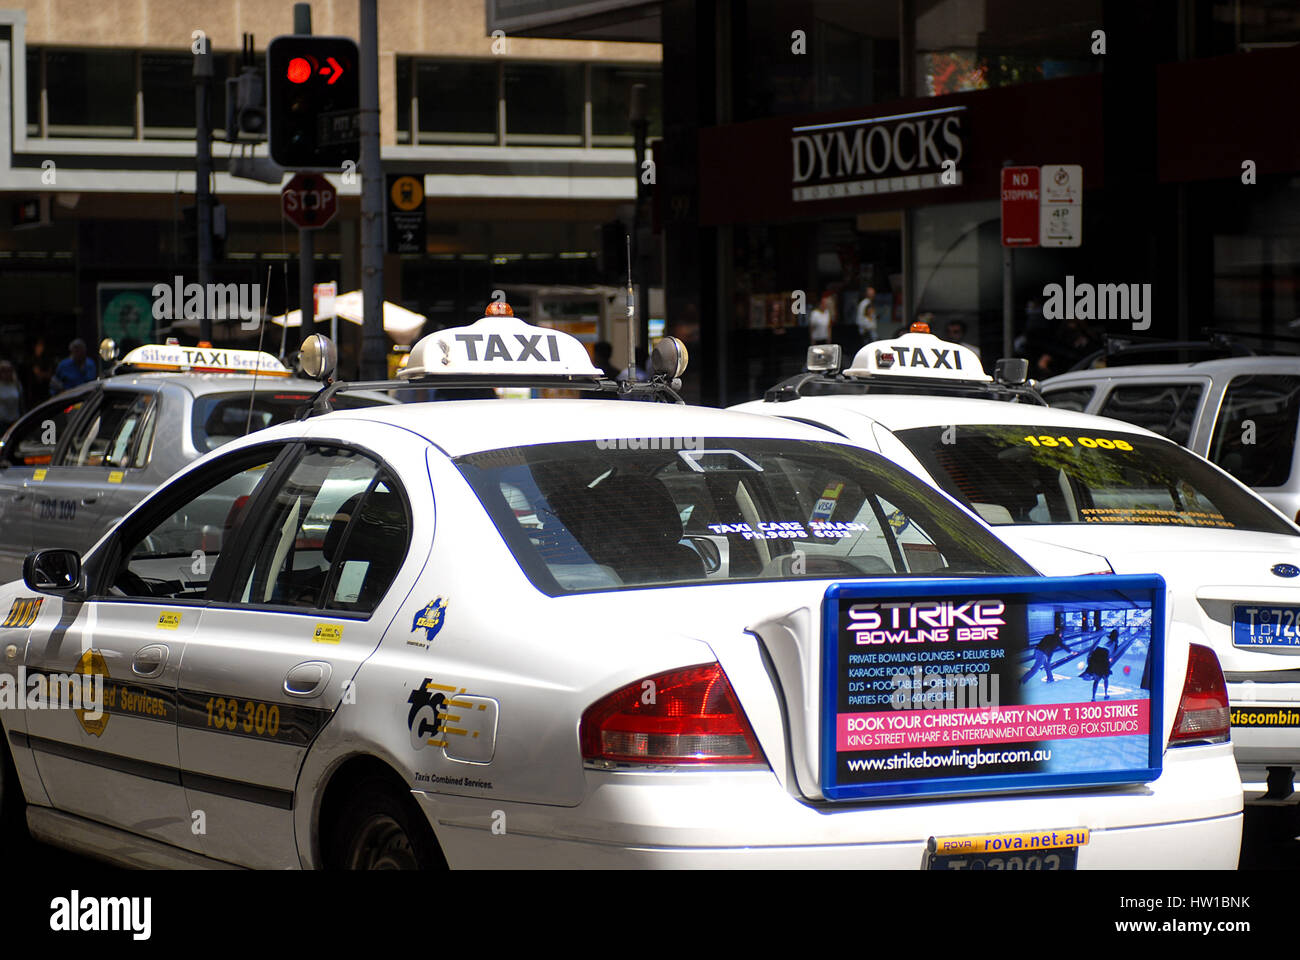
(245, 105)
(314, 102)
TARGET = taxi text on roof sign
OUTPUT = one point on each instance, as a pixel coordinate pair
(498, 345)
(918, 355)
(204, 360)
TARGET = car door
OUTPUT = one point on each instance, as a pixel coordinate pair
(94, 474)
(25, 459)
(148, 586)
(316, 586)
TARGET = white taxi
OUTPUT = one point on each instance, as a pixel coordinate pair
(569, 633)
(1042, 476)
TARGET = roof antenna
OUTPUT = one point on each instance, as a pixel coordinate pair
(631, 312)
(261, 331)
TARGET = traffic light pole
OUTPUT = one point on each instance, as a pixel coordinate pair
(203, 176)
(373, 346)
(306, 238)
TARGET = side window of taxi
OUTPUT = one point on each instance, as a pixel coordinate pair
(333, 537)
(175, 555)
(111, 435)
(35, 438)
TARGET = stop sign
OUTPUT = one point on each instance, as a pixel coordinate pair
(308, 201)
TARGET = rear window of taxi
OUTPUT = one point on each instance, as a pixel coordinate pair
(608, 515)
(1027, 474)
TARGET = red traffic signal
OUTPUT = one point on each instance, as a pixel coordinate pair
(313, 101)
(300, 70)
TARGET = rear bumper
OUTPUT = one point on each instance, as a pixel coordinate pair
(1269, 732)
(1189, 818)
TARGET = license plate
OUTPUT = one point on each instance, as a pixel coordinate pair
(1256, 625)
(1059, 858)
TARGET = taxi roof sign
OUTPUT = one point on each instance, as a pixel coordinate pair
(174, 358)
(918, 355)
(497, 346)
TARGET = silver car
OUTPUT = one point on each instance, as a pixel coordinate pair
(75, 465)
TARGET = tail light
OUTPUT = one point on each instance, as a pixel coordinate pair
(681, 717)
(1203, 715)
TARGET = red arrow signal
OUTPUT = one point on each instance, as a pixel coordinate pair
(336, 67)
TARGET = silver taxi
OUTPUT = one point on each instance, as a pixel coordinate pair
(75, 465)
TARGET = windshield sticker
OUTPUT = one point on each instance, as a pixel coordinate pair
(794, 530)
(1180, 518)
(1091, 443)
(826, 503)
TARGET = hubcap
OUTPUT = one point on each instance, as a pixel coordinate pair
(382, 844)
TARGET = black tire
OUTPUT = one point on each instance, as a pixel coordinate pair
(382, 828)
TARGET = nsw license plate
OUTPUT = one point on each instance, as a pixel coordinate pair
(1256, 625)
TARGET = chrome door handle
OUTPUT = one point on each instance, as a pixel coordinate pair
(149, 661)
(308, 679)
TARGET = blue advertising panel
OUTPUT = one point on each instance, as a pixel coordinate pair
(1006, 683)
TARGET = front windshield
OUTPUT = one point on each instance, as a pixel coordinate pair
(608, 514)
(1023, 474)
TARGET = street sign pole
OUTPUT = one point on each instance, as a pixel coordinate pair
(1020, 228)
(1008, 300)
(306, 238)
(374, 365)
(203, 175)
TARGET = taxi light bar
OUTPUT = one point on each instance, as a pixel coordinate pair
(825, 358)
(1203, 715)
(172, 357)
(683, 716)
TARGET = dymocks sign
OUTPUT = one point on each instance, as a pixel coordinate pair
(908, 151)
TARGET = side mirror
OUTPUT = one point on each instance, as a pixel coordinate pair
(52, 571)
(1012, 371)
(319, 357)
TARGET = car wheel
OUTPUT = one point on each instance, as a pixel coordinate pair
(384, 829)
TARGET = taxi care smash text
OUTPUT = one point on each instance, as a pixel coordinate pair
(53, 691)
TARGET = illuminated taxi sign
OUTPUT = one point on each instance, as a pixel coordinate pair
(177, 359)
(499, 346)
(918, 355)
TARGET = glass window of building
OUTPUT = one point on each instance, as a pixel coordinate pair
(611, 97)
(33, 92)
(167, 80)
(457, 101)
(977, 44)
(544, 103)
(1237, 25)
(402, 96)
(90, 93)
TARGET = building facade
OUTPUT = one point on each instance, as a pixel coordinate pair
(522, 145)
(804, 153)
